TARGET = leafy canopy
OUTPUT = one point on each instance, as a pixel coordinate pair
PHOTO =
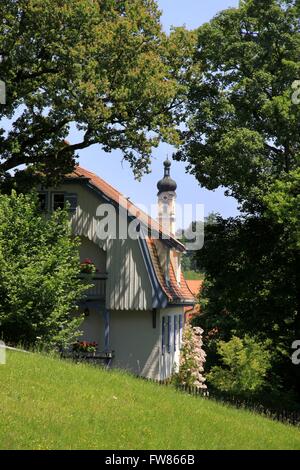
(243, 126)
(104, 65)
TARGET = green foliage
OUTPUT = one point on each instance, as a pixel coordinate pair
(189, 260)
(105, 65)
(251, 287)
(243, 128)
(243, 133)
(245, 365)
(283, 205)
(39, 267)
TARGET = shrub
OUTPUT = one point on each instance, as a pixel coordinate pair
(192, 359)
(39, 268)
(245, 365)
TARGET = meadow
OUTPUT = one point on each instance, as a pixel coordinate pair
(48, 403)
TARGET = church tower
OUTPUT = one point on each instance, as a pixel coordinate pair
(167, 200)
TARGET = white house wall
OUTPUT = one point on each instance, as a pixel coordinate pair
(90, 250)
(135, 342)
(93, 326)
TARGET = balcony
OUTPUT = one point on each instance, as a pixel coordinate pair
(98, 290)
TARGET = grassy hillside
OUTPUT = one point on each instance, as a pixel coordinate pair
(46, 403)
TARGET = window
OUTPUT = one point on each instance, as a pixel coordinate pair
(175, 332)
(72, 201)
(43, 201)
(169, 333)
(163, 332)
(58, 201)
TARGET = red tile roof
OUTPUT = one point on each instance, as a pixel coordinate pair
(195, 286)
(119, 198)
(172, 289)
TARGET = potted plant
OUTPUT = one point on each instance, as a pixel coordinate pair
(85, 347)
(88, 267)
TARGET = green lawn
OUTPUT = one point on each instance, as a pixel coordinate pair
(193, 276)
(46, 403)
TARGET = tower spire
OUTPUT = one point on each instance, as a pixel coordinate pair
(167, 199)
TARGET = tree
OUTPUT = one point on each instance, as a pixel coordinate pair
(243, 127)
(243, 133)
(104, 65)
(39, 267)
(189, 260)
(246, 362)
(251, 287)
(283, 205)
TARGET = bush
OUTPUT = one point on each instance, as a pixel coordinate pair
(39, 267)
(246, 363)
(192, 359)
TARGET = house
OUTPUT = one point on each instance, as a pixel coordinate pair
(135, 309)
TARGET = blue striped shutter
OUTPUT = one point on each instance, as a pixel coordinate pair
(163, 335)
(169, 333)
(175, 332)
(180, 329)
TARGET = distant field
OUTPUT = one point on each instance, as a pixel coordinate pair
(193, 275)
(46, 403)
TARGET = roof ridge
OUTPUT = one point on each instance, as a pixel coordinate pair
(138, 212)
(99, 177)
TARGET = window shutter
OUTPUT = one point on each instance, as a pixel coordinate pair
(163, 335)
(175, 332)
(169, 333)
(180, 329)
(72, 199)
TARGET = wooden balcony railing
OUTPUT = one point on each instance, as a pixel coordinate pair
(97, 291)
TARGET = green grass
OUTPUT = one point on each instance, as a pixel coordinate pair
(193, 276)
(46, 403)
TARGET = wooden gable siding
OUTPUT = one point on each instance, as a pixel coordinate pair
(128, 285)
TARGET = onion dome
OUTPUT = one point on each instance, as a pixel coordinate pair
(167, 183)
